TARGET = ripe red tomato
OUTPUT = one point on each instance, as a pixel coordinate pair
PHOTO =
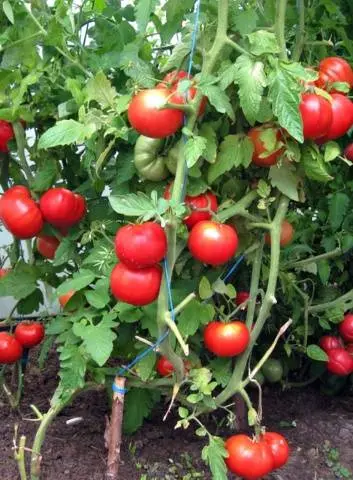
(10, 348)
(6, 134)
(328, 342)
(202, 201)
(148, 118)
(20, 213)
(248, 458)
(268, 146)
(29, 334)
(342, 117)
(287, 233)
(348, 152)
(164, 367)
(137, 287)
(316, 114)
(47, 245)
(279, 448)
(4, 272)
(185, 98)
(349, 348)
(213, 243)
(62, 208)
(226, 339)
(63, 299)
(332, 70)
(340, 362)
(141, 246)
(346, 327)
(242, 297)
(172, 78)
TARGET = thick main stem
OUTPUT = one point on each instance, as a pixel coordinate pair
(238, 373)
(335, 303)
(115, 431)
(179, 190)
(300, 35)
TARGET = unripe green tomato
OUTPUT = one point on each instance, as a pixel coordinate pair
(273, 370)
(171, 160)
(148, 163)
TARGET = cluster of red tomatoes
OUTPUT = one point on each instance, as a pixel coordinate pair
(6, 134)
(147, 115)
(26, 335)
(25, 218)
(253, 458)
(340, 356)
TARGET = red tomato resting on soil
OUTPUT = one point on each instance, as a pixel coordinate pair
(226, 339)
(136, 287)
(6, 134)
(328, 342)
(348, 152)
(339, 362)
(62, 208)
(20, 213)
(316, 112)
(63, 299)
(279, 448)
(242, 297)
(346, 327)
(148, 118)
(334, 70)
(213, 243)
(141, 246)
(47, 245)
(202, 201)
(29, 334)
(10, 348)
(248, 458)
(287, 233)
(268, 146)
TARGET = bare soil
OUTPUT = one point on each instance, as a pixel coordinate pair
(314, 425)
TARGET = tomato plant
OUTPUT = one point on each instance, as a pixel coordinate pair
(29, 334)
(346, 328)
(113, 122)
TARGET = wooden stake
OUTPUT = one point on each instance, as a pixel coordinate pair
(114, 431)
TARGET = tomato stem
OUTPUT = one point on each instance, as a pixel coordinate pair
(280, 26)
(300, 34)
(324, 256)
(21, 145)
(19, 455)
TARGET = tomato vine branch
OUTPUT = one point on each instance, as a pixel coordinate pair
(300, 34)
(280, 27)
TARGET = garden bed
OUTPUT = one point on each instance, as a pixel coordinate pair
(157, 451)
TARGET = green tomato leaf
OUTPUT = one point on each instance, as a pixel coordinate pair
(132, 205)
(45, 175)
(332, 151)
(139, 403)
(19, 282)
(97, 339)
(284, 177)
(324, 271)
(222, 370)
(146, 366)
(65, 132)
(180, 52)
(262, 42)
(214, 454)
(205, 290)
(314, 165)
(338, 209)
(210, 152)
(217, 98)
(194, 315)
(284, 94)
(193, 149)
(227, 158)
(244, 21)
(316, 353)
(100, 89)
(79, 280)
(6, 6)
(229, 76)
(251, 79)
(143, 11)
